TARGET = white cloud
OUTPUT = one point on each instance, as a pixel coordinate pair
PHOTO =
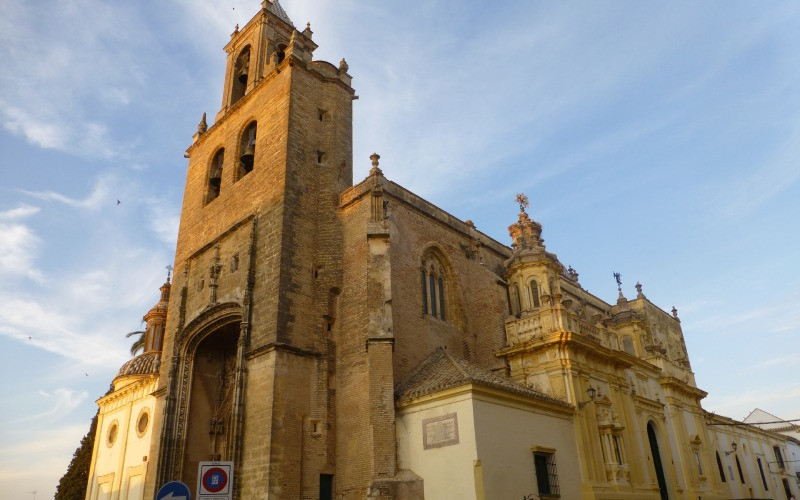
(18, 244)
(62, 401)
(20, 212)
(99, 196)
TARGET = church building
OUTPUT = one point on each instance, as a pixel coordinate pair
(352, 341)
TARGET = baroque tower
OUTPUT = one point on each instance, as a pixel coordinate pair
(244, 374)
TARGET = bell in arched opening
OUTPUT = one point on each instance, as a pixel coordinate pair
(243, 74)
(248, 155)
(215, 175)
(248, 146)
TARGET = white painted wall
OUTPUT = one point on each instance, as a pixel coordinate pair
(118, 471)
(505, 436)
(447, 471)
(501, 435)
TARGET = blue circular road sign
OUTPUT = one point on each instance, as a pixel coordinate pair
(174, 490)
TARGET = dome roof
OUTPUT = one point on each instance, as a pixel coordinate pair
(143, 364)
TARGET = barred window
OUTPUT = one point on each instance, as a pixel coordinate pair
(433, 286)
(546, 475)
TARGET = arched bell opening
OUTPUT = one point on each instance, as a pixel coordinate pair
(241, 75)
(215, 175)
(280, 53)
(209, 420)
(247, 146)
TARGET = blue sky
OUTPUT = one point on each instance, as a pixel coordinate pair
(658, 140)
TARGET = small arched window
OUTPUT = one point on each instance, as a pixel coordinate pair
(434, 285)
(247, 146)
(241, 75)
(534, 287)
(280, 53)
(215, 175)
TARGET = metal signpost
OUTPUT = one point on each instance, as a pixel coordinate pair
(215, 481)
(174, 490)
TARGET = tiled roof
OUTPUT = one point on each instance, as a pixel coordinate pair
(276, 9)
(442, 371)
(143, 364)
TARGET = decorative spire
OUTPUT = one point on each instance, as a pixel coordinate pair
(639, 294)
(526, 233)
(375, 170)
(202, 127)
(343, 67)
(523, 202)
(621, 298)
(169, 272)
(307, 32)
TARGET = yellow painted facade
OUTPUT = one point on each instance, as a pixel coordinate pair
(356, 341)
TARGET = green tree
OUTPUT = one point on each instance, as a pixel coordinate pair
(73, 483)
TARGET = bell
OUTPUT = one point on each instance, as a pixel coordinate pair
(249, 153)
(243, 73)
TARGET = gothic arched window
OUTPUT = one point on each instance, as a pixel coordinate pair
(434, 287)
(215, 175)
(247, 146)
(241, 75)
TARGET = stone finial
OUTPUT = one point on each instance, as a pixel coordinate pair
(375, 170)
(343, 67)
(307, 32)
(523, 201)
(639, 294)
(169, 272)
(572, 273)
(469, 223)
(674, 312)
(526, 233)
(202, 127)
(236, 28)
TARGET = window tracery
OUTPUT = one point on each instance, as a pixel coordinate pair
(433, 282)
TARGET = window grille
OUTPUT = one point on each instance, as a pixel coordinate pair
(546, 474)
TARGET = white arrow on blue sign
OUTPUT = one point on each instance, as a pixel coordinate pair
(174, 490)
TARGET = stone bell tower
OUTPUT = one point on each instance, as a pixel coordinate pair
(245, 367)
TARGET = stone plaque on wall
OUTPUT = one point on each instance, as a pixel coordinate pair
(440, 431)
